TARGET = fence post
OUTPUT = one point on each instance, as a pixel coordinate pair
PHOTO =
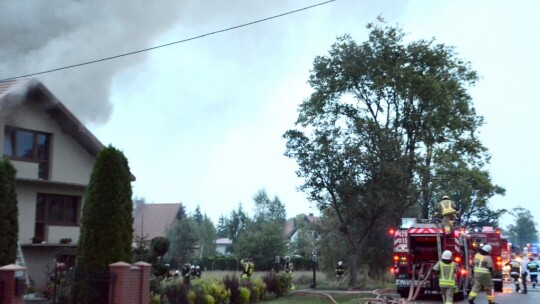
(13, 290)
(117, 287)
(144, 281)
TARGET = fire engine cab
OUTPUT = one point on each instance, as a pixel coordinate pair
(499, 250)
(418, 245)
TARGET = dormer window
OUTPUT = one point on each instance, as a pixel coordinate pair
(28, 145)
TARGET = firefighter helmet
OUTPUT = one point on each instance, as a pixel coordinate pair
(447, 255)
(487, 248)
(445, 197)
(340, 263)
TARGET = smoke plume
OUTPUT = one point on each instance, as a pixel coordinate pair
(43, 35)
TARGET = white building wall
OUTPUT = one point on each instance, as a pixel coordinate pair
(69, 161)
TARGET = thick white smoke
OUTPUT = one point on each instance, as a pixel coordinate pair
(43, 35)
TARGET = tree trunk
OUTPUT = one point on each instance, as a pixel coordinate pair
(353, 267)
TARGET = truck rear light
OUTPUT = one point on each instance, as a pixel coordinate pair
(457, 259)
(392, 231)
(463, 272)
(396, 258)
(392, 270)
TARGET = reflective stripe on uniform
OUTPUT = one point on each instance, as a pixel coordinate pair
(447, 209)
(478, 267)
(449, 280)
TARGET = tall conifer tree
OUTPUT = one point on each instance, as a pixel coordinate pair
(107, 221)
(9, 213)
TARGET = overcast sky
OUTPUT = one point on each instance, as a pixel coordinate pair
(201, 122)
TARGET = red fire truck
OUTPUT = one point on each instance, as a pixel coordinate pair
(418, 245)
(499, 250)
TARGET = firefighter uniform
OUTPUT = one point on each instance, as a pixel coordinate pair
(515, 271)
(248, 268)
(447, 281)
(524, 274)
(447, 209)
(532, 267)
(483, 266)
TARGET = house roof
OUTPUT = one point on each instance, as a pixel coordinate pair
(12, 91)
(291, 225)
(152, 220)
(223, 241)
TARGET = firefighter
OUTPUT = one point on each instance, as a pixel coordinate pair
(483, 268)
(340, 270)
(532, 267)
(186, 273)
(447, 209)
(524, 274)
(515, 271)
(288, 265)
(248, 268)
(447, 280)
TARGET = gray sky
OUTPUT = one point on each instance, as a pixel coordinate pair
(201, 122)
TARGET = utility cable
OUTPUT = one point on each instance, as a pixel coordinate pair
(171, 43)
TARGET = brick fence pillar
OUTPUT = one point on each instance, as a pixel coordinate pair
(117, 293)
(7, 279)
(144, 281)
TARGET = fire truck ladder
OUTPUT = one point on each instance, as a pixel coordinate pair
(424, 274)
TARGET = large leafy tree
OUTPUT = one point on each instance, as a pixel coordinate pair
(205, 232)
(267, 209)
(107, 220)
(524, 230)
(9, 213)
(371, 138)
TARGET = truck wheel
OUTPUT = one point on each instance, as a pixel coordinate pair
(498, 286)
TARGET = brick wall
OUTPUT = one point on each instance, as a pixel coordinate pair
(7, 277)
(131, 284)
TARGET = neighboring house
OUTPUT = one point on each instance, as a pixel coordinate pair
(153, 220)
(222, 245)
(291, 228)
(54, 155)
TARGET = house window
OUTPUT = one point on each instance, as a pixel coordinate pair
(28, 145)
(56, 210)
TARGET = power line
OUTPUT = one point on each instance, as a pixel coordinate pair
(171, 43)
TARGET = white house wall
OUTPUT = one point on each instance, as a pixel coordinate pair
(26, 197)
(69, 161)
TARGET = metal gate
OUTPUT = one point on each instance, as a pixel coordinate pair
(78, 287)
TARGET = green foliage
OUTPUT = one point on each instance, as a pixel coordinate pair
(233, 286)
(174, 291)
(388, 127)
(243, 298)
(222, 229)
(261, 241)
(524, 230)
(278, 284)
(269, 210)
(183, 239)
(106, 228)
(237, 223)
(160, 246)
(205, 232)
(9, 213)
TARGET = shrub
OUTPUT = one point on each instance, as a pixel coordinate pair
(244, 296)
(233, 286)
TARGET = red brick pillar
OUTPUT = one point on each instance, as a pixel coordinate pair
(144, 280)
(7, 276)
(119, 292)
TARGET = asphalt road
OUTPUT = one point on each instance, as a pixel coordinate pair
(508, 296)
